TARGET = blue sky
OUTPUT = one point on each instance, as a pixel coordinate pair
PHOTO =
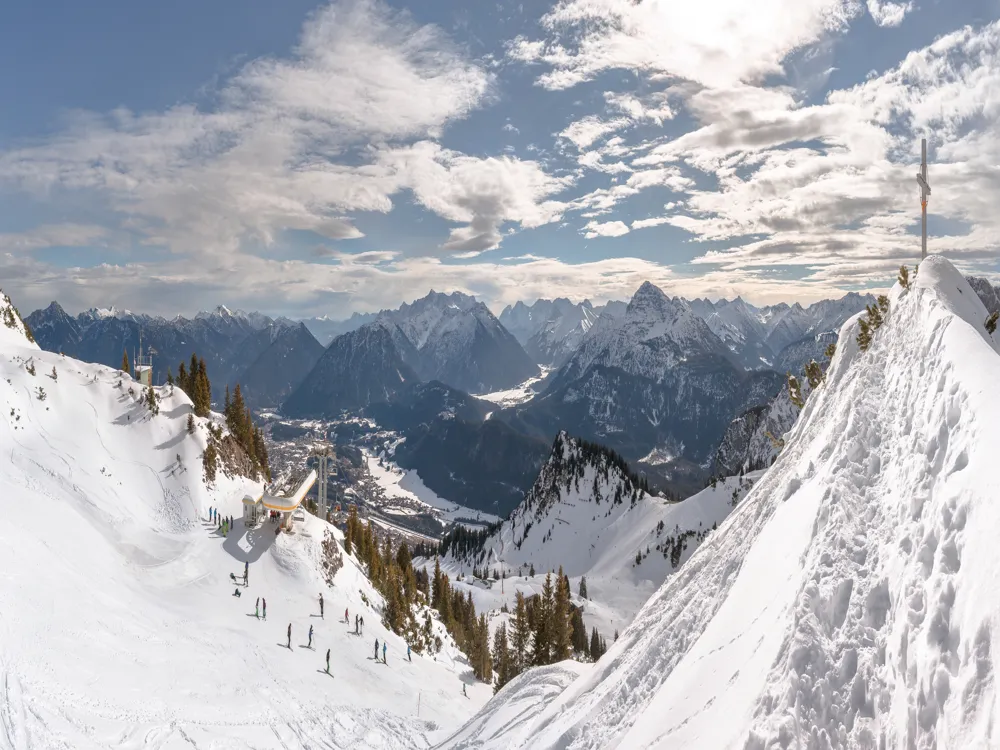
(310, 159)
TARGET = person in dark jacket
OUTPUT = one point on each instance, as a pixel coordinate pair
(289, 636)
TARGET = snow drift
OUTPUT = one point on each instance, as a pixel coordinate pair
(851, 600)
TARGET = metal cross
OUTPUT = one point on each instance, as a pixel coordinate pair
(925, 191)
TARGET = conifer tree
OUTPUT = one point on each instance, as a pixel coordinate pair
(436, 585)
(170, 377)
(501, 658)
(991, 322)
(814, 374)
(482, 631)
(154, 407)
(583, 587)
(520, 636)
(561, 638)
(209, 458)
(794, 391)
(204, 389)
(190, 424)
(125, 364)
(579, 632)
(542, 646)
(830, 350)
(904, 277)
(864, 335)
(182, 380)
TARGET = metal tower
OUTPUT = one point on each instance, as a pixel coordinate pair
(323, 470)
(925, 191)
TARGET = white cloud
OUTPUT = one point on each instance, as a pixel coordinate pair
(583, 133)
(715, 42)
(888, 13)
(300, 143)
(483, 193)
(605, 229)
(54, 235)
(829, 188)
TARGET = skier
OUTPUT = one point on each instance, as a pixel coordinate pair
(328, 661)
(246, 573)
(362, 624)
(356, 619)
(310, 637)
(463, 691)
(376, 649)
(321, 606)
(383, 653)
(346, 616)
(410, 658)
(256, 608)
(264, 610)
(237, 593)
(289, 636)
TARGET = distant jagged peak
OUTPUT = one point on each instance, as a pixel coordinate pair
(568, 463)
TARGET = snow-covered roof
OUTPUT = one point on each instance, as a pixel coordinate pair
(288, 504)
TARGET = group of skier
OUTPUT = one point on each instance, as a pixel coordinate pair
(224, 524)
(260, 607)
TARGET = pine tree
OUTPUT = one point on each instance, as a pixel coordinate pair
(991, 322)
(579, 632)
(562, 635)
(209, 458)
(814, 374)
(204, 390)
(182, 380)
(831, 350)
(154, 407)
(883, 304)
(864, 335)
(501, 658)
(483, 647)
(436, 585)
(227, 406)
(190, 424)
(583, 587)
(125, 365)
(542, 647)
(520, 635)
(904, 277)
(170, 377)
(795, 391)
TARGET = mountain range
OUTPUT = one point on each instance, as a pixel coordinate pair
(270, 356)
(656, 380)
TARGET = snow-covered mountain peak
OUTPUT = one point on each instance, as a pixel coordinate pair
(13, 331)
(850, 600)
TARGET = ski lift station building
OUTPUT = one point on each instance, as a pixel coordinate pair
(254, 508)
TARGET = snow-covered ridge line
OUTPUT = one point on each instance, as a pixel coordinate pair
(850, 600)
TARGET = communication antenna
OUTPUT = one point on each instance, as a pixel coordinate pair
(925, 191)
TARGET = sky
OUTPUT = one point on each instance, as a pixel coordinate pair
(311, 159)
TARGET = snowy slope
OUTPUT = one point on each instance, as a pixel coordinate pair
(850, 601)
(587, 516)
(119, 627)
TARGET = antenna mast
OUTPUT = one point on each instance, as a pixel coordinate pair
(925, 191)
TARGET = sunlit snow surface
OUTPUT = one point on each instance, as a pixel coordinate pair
(851, 600)
(118, 623)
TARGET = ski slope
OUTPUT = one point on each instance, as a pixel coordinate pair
(118, 623)
(850, 601)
